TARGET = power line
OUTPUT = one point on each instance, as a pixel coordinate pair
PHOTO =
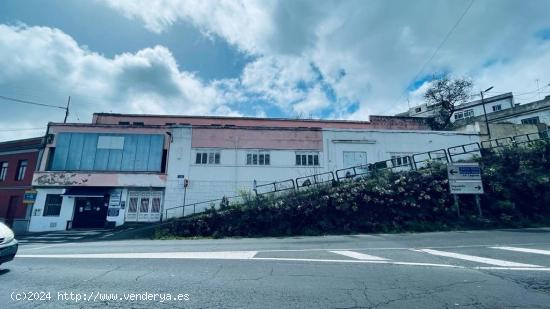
(31, 102)
(440, 45)
(21, 129)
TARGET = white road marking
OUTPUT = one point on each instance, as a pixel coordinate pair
(477, 259)
(527, 250)
(250, 256)
(359, 256)
(23, 248)
(223, 255)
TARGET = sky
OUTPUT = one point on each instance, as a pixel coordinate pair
(290, 58)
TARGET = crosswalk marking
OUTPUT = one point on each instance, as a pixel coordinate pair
(478, 259)
(527, 250)
(359, 256)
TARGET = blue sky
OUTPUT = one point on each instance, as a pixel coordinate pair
(265, 58)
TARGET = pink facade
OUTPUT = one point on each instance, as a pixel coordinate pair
(257, 138)
(376, 122)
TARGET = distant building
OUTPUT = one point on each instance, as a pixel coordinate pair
(18, 160)
(526, 118)
(467, 110)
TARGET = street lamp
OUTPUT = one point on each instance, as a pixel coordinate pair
(485, 111)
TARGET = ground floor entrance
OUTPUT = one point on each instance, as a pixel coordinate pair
(90, 212)
(144, 206)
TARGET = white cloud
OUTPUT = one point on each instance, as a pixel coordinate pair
(366, 51)
(53, 66)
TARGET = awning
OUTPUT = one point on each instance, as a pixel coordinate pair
(86, 192)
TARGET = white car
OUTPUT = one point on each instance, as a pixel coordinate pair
(8, 244)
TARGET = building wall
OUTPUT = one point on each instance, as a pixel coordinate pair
(11, 187)
(41, 223)
(232, 175)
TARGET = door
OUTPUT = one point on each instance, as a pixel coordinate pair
(144, 206)
(90, 212)
(12, 207)
(354, 158)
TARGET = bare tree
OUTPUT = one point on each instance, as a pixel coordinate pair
(445, 94)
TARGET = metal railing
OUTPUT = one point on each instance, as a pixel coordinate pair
(314, 179)
(463, 150)
(424, 159)
(278, 186)
(173, 212)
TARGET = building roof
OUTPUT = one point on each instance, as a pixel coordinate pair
(375, 122)
(22, 144)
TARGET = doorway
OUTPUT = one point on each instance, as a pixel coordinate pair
(144, 206)
(90, 212)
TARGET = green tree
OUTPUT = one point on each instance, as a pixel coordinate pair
(445, 94)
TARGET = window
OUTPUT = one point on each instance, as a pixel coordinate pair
(110, 142)
(21, 169)
(400, 160)
(307, 159)
(418, 109)
(496, 108)
(124, 123)
(208, 157)
(138, 123)
(3, 170)
(52, 208)
(464, 114)
(258, 158)
(532, 120)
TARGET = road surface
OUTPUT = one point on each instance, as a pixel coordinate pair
(473, 269)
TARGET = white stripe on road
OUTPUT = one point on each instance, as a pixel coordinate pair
(223, 255)
(249, 256)
(478, 259)
(359, 256)
(527, 250)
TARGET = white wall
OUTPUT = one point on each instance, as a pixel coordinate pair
(40, 223)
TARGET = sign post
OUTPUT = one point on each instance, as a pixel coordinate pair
(465, 178)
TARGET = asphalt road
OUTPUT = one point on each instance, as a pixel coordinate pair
(477, 269)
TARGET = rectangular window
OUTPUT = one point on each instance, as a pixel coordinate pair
(110, 142)
(52, 207)
(532, 120)
(258, 158)
(468, 113)
(496, 108)
(307, 159)
(3, 170)
(209, 157)
(459, 115)
(21, 169)
(399, 160)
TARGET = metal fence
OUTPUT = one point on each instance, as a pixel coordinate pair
(314, 179)
(277, 186)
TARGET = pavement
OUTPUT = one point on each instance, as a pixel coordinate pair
(469, 269)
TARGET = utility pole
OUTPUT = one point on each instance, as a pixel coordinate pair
(67, 110)
(485, 111)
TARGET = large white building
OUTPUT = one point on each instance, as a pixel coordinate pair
(467, 110)
(138, 168)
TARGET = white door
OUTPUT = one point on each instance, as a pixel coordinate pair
(354, 158)
(144, 206)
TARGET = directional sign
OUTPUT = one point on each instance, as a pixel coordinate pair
(465, 178)
(465, 187)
